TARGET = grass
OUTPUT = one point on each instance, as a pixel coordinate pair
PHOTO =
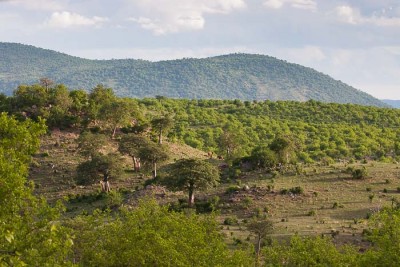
(331, 201)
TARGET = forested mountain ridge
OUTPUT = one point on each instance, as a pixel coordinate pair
(393, 103)
(235, 76)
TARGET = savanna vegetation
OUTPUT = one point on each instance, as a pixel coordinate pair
(167, 182)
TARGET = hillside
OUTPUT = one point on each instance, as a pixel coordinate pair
(235, 76)
(393, 103)
(317, 175)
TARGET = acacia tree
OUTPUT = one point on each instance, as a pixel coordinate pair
(104, 166)
(191, 175)
(89, 144)
(46, 83)
(285, 147)
(262, 229)
(162, 125)
(130, 144)
(154, 154)
(116, 114)
(99, 97)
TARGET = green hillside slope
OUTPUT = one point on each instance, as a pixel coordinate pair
(235, 76)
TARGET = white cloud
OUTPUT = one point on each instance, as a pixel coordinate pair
(301, 4)
(66, 19)
(352, 15)
(171, 16)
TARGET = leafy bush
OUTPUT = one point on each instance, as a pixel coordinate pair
(359, 173)
(230, 221)
(233, 188)
(298, 190)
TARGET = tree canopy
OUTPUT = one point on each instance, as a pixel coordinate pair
(192, 175)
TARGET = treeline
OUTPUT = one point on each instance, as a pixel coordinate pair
(230, 128)
(32, 233)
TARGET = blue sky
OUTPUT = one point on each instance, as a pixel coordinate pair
(356, 41)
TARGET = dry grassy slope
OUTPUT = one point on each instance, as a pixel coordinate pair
(54, 166)
(308, 214)
(314, 212)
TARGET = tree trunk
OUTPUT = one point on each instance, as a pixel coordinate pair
(160, 137)
(136, 164)
(154, 170)
(114, 131)
(258, 248)
(191, 197)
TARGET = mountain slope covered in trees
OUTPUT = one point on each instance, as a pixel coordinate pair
(393, 103)
(235, 76)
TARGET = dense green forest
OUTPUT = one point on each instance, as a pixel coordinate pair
(236, 76)
(272, 137)
(318, 131)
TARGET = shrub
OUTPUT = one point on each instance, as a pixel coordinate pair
(311, 213)
(296, 190)
(359, 173)
(232, 189)
(230, 221)
(284, 191)
(247, 201)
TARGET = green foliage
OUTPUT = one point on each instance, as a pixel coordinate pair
(309, 131)
(264, 157)
(298, 190)
(30, 231)
(231, 221)
(90, 144)
(359, 173)
(236, 76)
(162, 125)
(92, 171)
(309, 251)
(191, 175)
(176, 239)
(384, 233)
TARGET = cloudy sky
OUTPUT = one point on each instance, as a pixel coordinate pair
(356, 41)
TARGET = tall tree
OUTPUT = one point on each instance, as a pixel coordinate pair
(130, 144)
(154, 154)
(162, 125)
(46, 83)
(104, 166)
(285, 147)
(116, 114)
(262, 228)
(99, 97)
(90, 144)
(191, 175)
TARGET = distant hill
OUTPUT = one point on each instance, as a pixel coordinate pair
(235, 76)
(392, 103)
